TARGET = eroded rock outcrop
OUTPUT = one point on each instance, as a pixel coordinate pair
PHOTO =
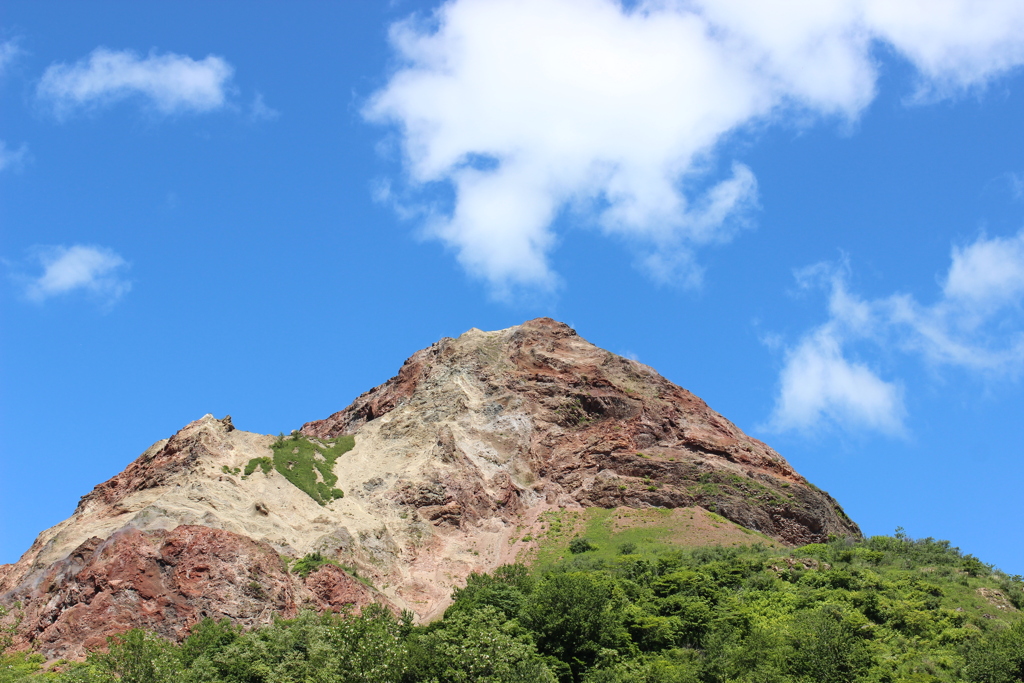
(167, 581)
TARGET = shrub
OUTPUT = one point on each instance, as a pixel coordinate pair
(16, 666)
(367, 648)
(892, 611)
(310, 563)
(580, 545)
(505, 590)
(997, 657)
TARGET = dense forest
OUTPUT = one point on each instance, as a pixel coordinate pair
(878, 609)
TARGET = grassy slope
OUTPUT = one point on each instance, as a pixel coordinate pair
(648, 530)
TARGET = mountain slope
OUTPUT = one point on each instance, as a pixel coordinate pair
(454, 461)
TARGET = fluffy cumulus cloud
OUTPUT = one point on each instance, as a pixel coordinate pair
(976, 323)
(954, 44)
(819, 385)
(987, 274)
(170, 83)
(95, 270)
(525, 108)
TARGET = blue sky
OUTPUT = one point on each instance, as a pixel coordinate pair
(808, 214)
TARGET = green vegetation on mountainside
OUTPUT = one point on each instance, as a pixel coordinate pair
(306, 565)
(884, 609)
(649, 530)
(308, 464)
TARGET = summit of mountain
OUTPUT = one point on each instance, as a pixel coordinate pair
(457, 464)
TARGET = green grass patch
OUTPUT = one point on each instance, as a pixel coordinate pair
(657, 525)
(265, 464)
(309, 465)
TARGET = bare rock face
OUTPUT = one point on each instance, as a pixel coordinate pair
(536, 412)
(466, 447)
(167, 581)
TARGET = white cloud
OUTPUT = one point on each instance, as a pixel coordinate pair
(171, 83)
(976, 323)
(819, 385)
(12, 158)
(96, 270)
(955, 44)
(527, 107)
(988, 273)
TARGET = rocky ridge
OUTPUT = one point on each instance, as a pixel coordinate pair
(469, 444)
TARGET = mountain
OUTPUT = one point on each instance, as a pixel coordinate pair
(460, 463)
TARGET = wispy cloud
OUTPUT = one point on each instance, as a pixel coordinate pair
(259, 111)
(97, 271)
(527, 107)
(976, 323)
(12, 158)
(9, 51)
(1016, 183)
(170, 83)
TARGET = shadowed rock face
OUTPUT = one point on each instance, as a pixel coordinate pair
(454, 457)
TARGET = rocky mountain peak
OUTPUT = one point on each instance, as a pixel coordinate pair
(444, 469)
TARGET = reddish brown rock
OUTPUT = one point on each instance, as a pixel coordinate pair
(592, 413)
(335, 589)
(167, 581)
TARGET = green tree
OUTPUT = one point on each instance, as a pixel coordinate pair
(670, 666)
(505, 589)
(826, 647)
(16, 667)
(480, 646)
(138, 656)
(312, 648)
(206, 639)
(575, 616)
(998, 657)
